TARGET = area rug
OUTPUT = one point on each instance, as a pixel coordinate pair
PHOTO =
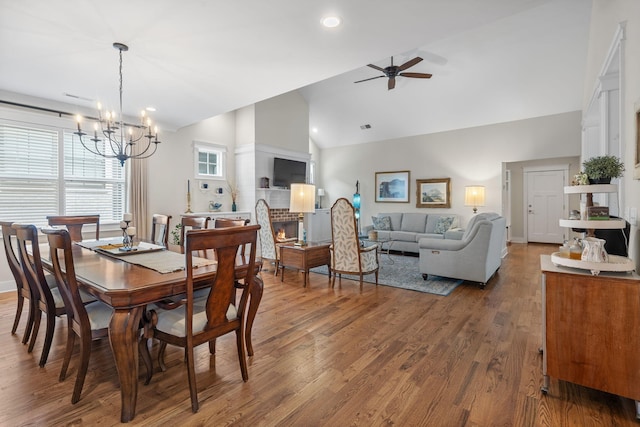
(403, 273)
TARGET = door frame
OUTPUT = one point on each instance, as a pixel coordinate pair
(525, 191)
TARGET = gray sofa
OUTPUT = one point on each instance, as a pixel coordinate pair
(406, 229)
(475, 257)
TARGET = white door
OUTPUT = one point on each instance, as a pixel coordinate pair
(545, 205)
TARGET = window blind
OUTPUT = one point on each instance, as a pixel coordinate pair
(32, 185)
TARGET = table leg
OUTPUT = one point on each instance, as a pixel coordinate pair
(123, 335)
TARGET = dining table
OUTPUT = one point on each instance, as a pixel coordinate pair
(129, 288)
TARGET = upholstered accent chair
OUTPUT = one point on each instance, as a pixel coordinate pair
(269, 250)
(347, 255)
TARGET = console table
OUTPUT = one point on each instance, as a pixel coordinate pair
(590, 329)
(304, 258)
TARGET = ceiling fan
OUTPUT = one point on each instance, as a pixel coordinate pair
(393, 71)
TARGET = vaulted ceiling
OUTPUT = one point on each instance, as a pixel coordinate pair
(492, 60)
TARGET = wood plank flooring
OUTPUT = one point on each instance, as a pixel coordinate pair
(335, 357)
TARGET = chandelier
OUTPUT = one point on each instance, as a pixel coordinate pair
(119, 140)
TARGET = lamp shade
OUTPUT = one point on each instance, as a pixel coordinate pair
(303, 198)
(321, 192)
(474, 195)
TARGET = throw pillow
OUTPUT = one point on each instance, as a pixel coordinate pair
(381, 223)
(443, 224)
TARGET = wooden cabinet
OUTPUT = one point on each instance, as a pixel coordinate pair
(591, 329)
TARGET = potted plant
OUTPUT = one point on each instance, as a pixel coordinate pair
(601, 169)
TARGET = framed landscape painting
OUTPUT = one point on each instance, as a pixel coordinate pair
(392, 187)
(433, 193)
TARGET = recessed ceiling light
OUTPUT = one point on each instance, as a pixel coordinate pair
(314, 130)
(150, 109)
(331, 21)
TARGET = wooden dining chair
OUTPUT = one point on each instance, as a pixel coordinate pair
(87, 321)
(192, 223)
(257, 287)
(74, 224)
(160, 229)
(203, 320)
(22, 286)
(45, 299)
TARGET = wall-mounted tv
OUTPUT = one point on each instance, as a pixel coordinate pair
(287, 172)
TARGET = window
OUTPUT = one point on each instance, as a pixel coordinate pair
(209, 160)
(46, 171)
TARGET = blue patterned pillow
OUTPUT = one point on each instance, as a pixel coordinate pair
(381, 223)
(443, 224)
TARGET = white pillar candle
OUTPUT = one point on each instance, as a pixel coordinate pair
(123, 225)
(131, 231)
(127, 217)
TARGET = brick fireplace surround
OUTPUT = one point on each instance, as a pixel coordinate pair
(282, 219)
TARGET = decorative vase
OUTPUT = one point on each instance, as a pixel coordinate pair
(234, 207)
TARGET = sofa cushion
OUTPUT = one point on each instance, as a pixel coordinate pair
(406, 236)
(443, 224)
(396, 219)
(428, 235)
(413, 222)
(381, 222)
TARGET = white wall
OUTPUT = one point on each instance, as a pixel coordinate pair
(605, 17)
(467, 156)
(283, 122)
(172, 166)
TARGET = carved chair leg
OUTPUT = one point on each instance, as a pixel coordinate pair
(30, 321)
(18, 314)
(48, 339)
(161, 350)
(71, 340)
(85, 354)
(34, 331)
(143, 349)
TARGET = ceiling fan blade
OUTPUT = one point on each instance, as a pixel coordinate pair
(410, 63)
(371, 78)
(375, 67)
(416, 75)
(392, 83)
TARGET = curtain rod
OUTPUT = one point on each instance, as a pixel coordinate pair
(58, 112)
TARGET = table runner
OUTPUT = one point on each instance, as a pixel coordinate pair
(163, 261)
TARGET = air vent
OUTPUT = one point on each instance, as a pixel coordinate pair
(363, 127)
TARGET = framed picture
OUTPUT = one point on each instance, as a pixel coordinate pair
(392, 187)
(433, 193)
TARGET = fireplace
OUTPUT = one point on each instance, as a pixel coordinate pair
(285, 230)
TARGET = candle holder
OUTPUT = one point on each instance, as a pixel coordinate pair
(127, 240)
(188, 203)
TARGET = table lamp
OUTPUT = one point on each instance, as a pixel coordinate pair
(302, 201)
(474, 196)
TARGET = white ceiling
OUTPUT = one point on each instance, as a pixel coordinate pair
(492, 60)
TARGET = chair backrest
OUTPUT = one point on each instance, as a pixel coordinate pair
(232, 222)
(74, 224)
(27, 236)
(266, 233)
(192, 223)
(8, 238)
(62, 254)
(344, 236)
(160, 229)
(225, 243)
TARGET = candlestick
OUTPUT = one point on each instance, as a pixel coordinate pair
(188, 202)
(127, 217)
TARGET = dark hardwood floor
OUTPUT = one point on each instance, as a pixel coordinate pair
(336, 357)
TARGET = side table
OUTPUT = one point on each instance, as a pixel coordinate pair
(304, 258)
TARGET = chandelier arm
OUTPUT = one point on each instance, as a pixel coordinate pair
(141, 156)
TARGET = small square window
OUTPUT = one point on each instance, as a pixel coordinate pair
(209, 161)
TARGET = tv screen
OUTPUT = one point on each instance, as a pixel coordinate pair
(287, 172)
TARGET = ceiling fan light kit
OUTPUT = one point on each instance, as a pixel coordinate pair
(393, 71)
